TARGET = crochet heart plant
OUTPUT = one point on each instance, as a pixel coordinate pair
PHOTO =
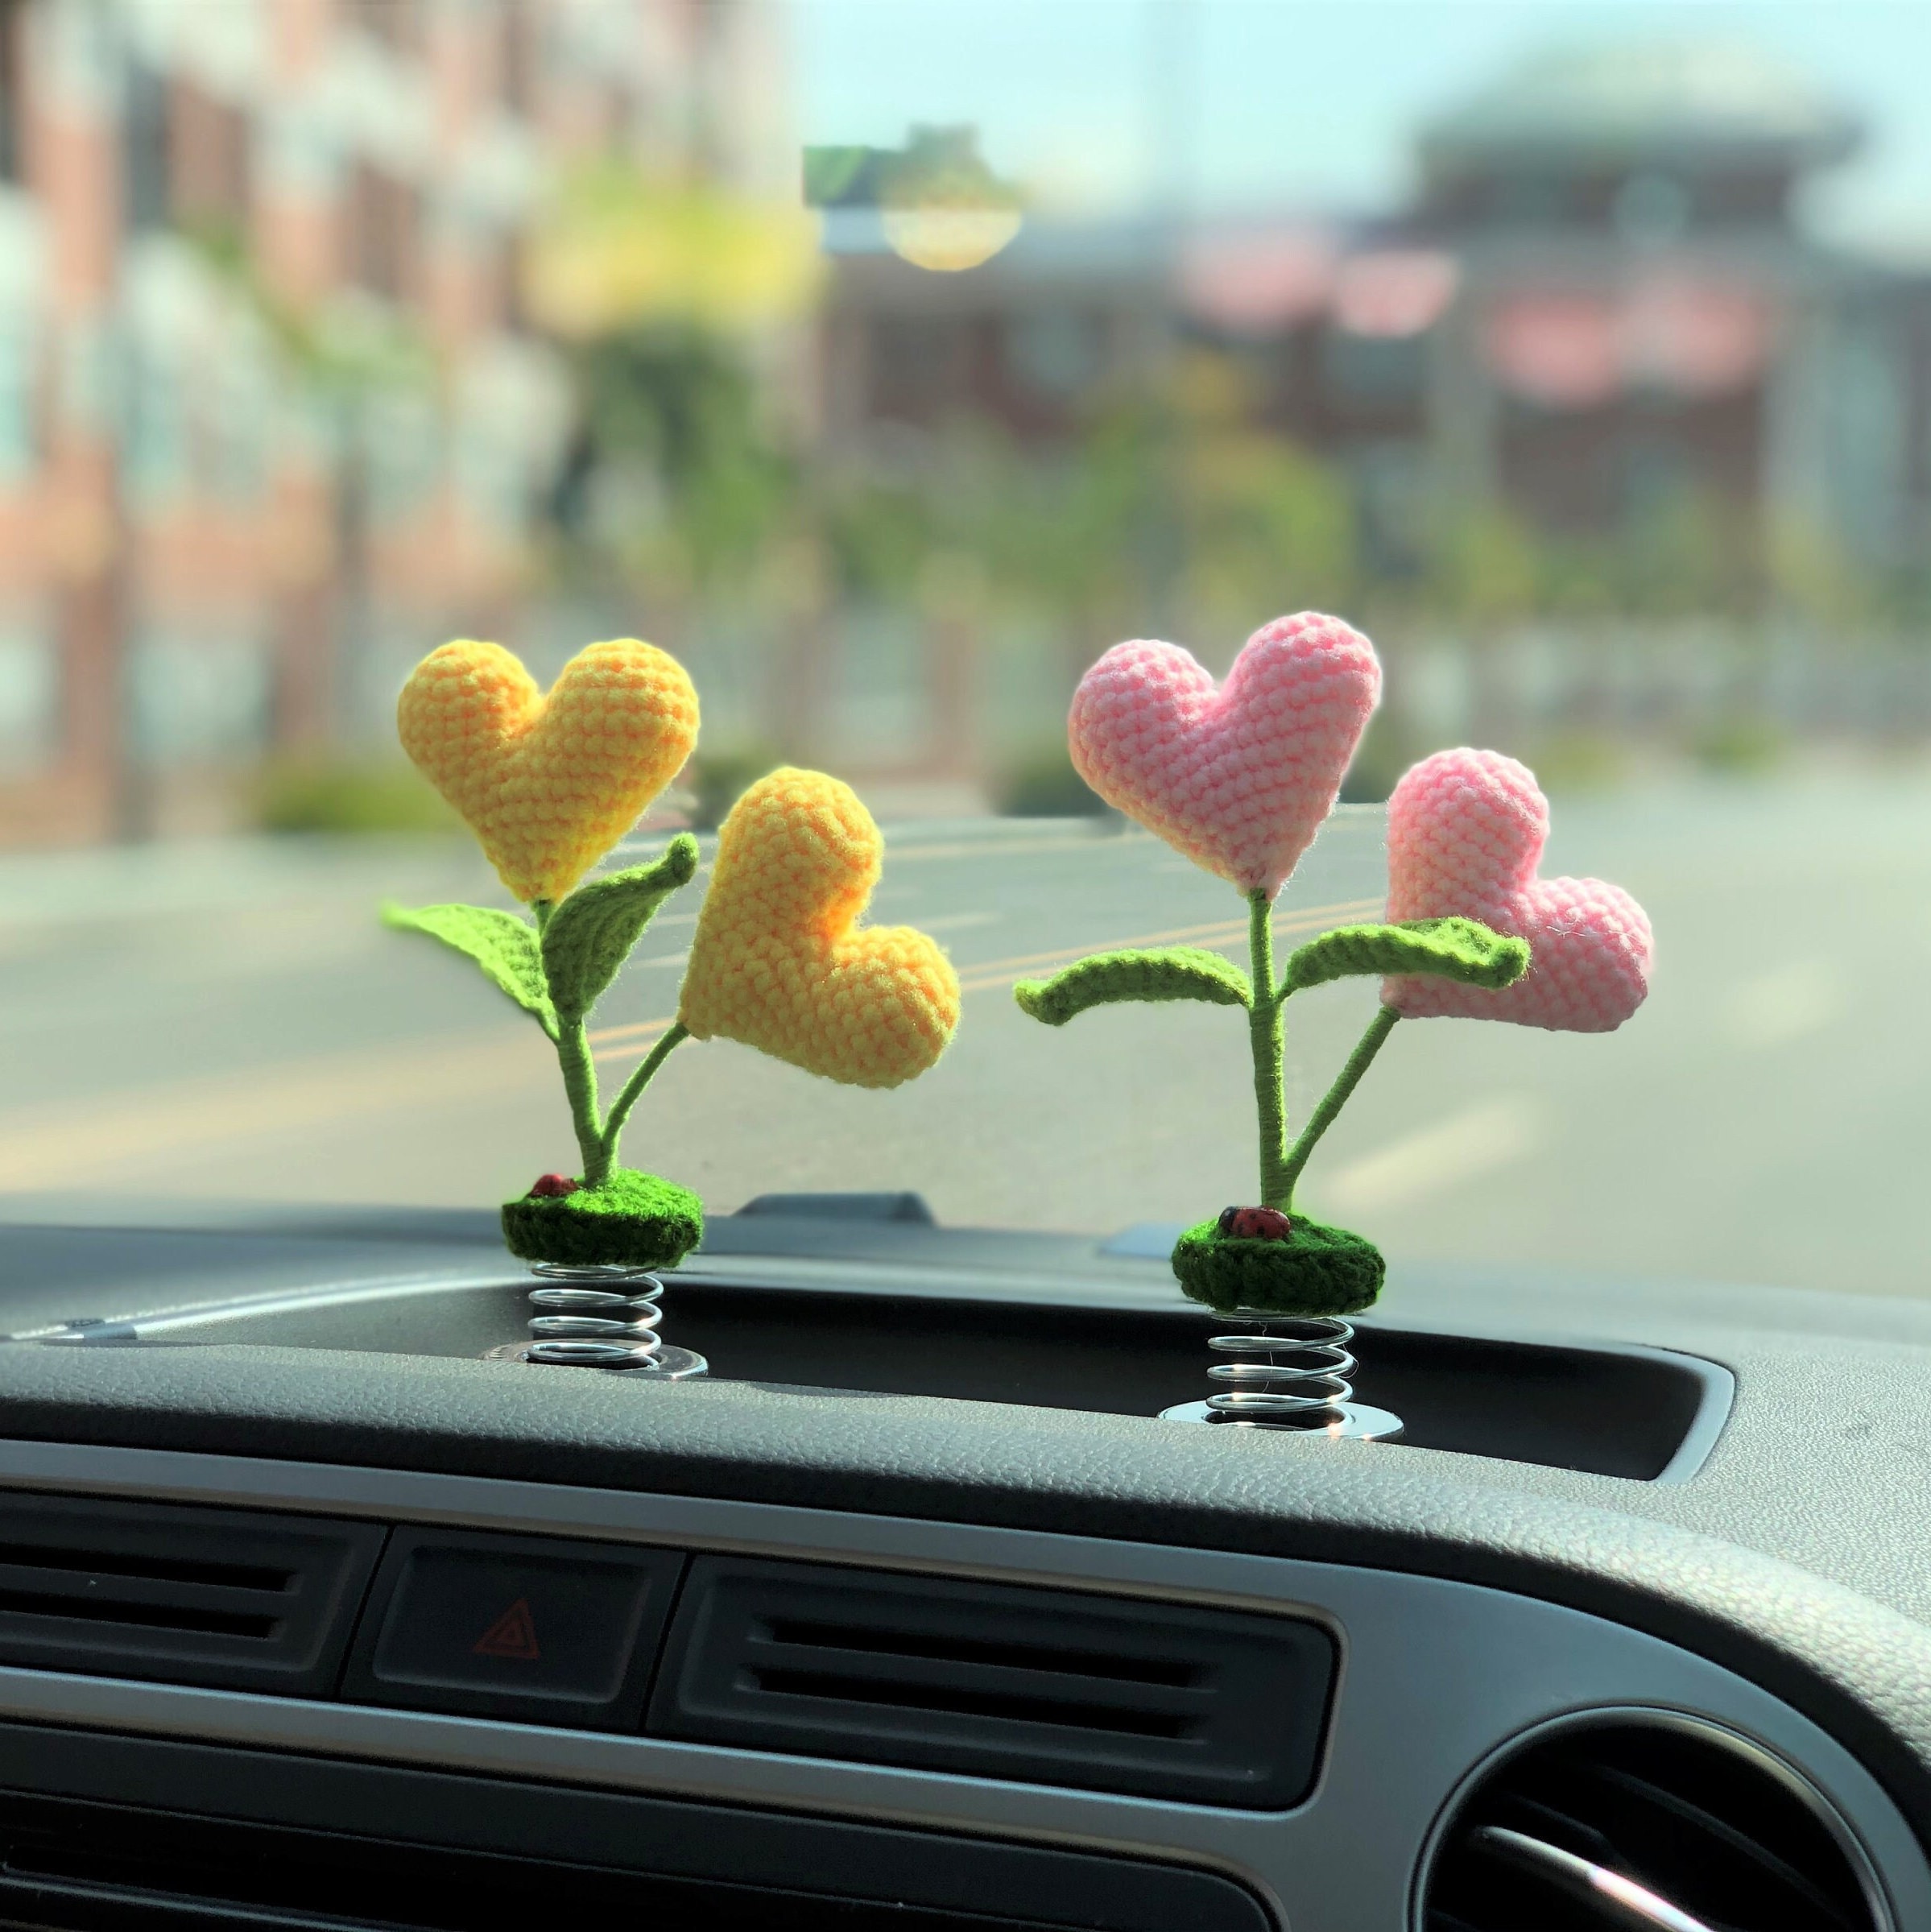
(779, 962)
(1240, 779)
(548, 786)
(1466, 833)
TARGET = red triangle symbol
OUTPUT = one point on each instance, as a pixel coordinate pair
(513, 1634)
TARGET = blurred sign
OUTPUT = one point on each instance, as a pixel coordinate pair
(618, 249)
(1254, 284)
(1565, 350)
(1395, 291)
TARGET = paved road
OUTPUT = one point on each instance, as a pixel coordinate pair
(230, 1022)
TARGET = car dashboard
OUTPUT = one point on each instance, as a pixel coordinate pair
(914, 1612)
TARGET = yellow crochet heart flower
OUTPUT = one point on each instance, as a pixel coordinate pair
(548, 785)
(779, 963)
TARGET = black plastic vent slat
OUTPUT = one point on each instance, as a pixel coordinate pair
(77, 1591)
(1708, 1831)
(136, 1616)
(83, 1582)
(199, 1596)
(128, 1563)
(900, 1676)
(971, 1650)
(1164, 1700)
(1686, 1814)
(966, 1702)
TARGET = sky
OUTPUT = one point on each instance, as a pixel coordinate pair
(1309, 105)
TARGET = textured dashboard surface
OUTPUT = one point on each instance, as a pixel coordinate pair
(1796, 1555)
(1726, 1566)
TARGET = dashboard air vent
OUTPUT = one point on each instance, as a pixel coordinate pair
(1162, 1700)
(199, 1596)
(1614, 1826)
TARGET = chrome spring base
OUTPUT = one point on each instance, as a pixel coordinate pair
(604, 1318)
(1288, 1372)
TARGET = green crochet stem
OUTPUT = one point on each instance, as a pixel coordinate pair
(580, 1084)
(597, 1139)
(579, 1080)
(1266, 1037)
(620, 1110)
(1334, 1100)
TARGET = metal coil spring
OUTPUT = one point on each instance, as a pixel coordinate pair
(605, 1317)
(601, 1316)
(1290, 1371)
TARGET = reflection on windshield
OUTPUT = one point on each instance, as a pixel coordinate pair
(886, 365)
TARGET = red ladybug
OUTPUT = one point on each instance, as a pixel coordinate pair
(550, 1187)
(1254, 1224)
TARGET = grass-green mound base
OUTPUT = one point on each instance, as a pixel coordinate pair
(1318, 1271)
(640, 1220)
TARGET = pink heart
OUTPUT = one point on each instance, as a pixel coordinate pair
(1238, 779)
(1466, 832)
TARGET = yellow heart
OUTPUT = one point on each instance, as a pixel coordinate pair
(548, 785)
(779, 962)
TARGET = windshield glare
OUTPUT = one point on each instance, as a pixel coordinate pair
(885, 366)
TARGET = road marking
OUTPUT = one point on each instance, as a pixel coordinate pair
(635, 1039)
(1478, 1140)
(957, 922)
(1086, 842)
(46, 1147)
(61, 1145)
(1775, 1008)
(982, 977)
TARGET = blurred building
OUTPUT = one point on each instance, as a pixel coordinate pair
(1602, 302)
(272, 419)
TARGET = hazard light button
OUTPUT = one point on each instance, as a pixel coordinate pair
(523, 1628)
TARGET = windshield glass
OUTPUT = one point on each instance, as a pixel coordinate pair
(885, 365)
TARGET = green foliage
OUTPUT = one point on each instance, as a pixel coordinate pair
(590, 934)
(1741, 746)
(342, 795)
(877, 533)
(1046, 786)
(684, 402)
(1385, 751)
(1580, 759)
(1462, 949)
(499, 942)
(1158, 973)
(718, 779)
(1259, 512)
(1485, 567)
(830, 173)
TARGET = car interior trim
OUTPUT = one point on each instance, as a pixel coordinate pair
(1496, 1666)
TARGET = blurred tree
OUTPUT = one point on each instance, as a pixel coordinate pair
(1267, 526)
(683, 403)
(1686, 554)
(1486, 569)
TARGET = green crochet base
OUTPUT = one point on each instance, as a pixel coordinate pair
(1319, 1271)
(640, 1220)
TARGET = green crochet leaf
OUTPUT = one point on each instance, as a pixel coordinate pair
(1460, 949)
(590, 934)
(499, 942)
(1160, 972)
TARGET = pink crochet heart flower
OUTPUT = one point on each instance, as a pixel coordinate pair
(1465, 832)
(1238, 779)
